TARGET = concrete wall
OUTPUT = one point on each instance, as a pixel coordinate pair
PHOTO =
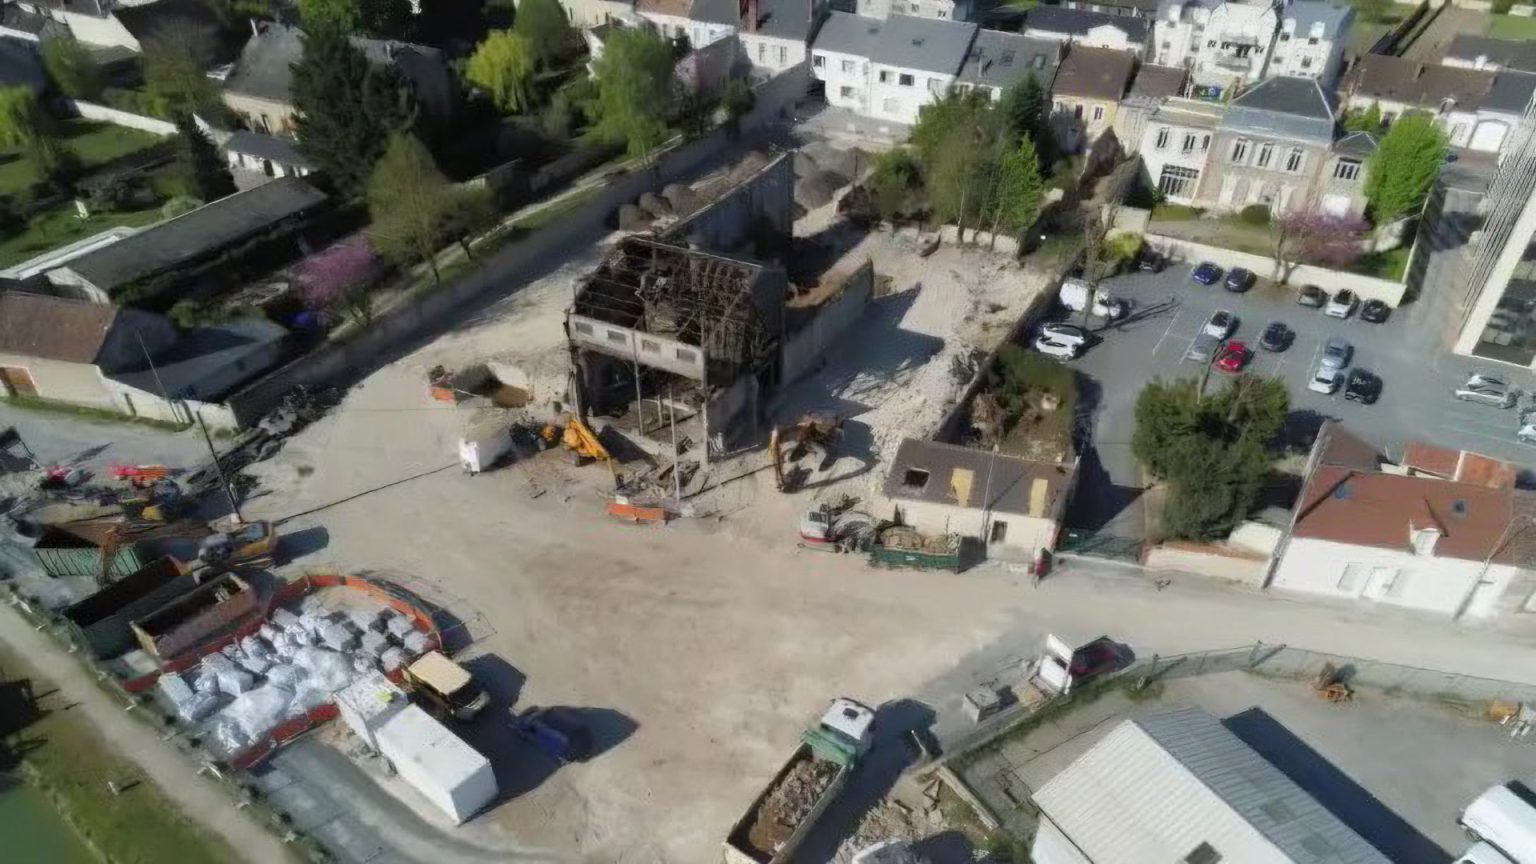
(1423, 582)
(262, 115)
(1367, 287)
(92, 111)
(75, 383)
(648, 349)
(173, 635)
(100, 622)
(107, 32)
(803, 349)
(764, 201)
(1215, 560)
(1025, 534)
(732, 413)
(590, 13)
(505, 271)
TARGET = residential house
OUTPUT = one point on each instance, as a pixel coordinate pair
(1223, 44)
(584, 14)
(1152, 86)
(914, 63)
(1481, 52)
(1475, 107)
(1093, 29)
(1090, 82)
(1341, 183)
(840, 59)
(175, 251)
(266, 155)
(259, 88)
(944, 10)
(774, 34)
(130, 25)
(673, 19)
(998, 60)
(62, 349)
(1273, 146)
(1442, 531)
(1176, 144)
(1129, 8)
(1179, 786)
(1311, 41)
(1013, 505)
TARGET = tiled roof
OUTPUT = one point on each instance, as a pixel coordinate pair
(1510, 54)
(1158, 82)
(845, 33)
(998, 59)
(1356, 144)
(1334, 17)
(1077, 22)
(279, 150)
(1395, 79)
(925, 44)
(53, 328)
(1511, 92)
(1283, 106)
(1095, 73)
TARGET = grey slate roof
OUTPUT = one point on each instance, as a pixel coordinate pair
(925, 44)
(186, 238)
(1077, 22)
(715, 12)
(1510, 93)
(1505, 52)
(1284, 107)
(1013, 478)
(998, 59)
(847, 33)
(279, 150)
(265, 67)
(1257, 790)
(1095, 73)
(782, 19)
(1357, 145)
(1158, 82)
(13, 17)
(1335, 18)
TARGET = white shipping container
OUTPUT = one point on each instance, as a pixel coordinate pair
(366, 705)
(450, 773)
(484, 442)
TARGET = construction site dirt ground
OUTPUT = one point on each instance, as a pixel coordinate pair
(709, 642)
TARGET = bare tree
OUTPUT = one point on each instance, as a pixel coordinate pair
(1311, 236)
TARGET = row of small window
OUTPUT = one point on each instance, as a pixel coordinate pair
(1189, 144)
(762, 55)
(1344, 169)
(1077, 110)
(647, 346)
(903, 79)
(1295, 158)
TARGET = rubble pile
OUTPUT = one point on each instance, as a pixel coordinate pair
(789, 802)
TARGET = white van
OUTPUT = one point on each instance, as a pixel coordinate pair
(1482, 853)
(1503, 818)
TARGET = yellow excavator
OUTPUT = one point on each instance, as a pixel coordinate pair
(816, 430)
(581, 441)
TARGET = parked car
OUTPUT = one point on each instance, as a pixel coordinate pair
(1232, 357)
(1098, 657)
(1527, 433)
(1341, 305)
(558, 732)
(1375, 311)
(1239, 279)
(1151, 261)
(1066, 334)
(1277, 337)
(1336, 353)
(1362, 386)
(1325, 380)
(1489, 390)
(1311, 295)
(1206, 273)
(1220, 324)
(1051, 348)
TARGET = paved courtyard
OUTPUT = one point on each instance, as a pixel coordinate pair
(1418, 377)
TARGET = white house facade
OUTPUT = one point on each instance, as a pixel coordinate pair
(943, 10)
(1092, 29)
(1223, 44)
(1311, 40)
(906, 62)
(1176, 144)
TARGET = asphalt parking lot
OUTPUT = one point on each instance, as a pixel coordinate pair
(1418, 376)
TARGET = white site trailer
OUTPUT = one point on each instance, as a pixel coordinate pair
(445, 770)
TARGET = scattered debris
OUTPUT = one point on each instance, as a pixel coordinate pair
(789, 802)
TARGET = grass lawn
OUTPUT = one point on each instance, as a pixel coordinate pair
(59, 225)
(1384, 265)
(1512, 27)
(72, 766)
(93, 142)
(1174, 213)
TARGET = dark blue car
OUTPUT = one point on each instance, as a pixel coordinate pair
(1207, 273)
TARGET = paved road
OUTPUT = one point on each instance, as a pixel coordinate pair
(1406, 351)
(57, 438)
(172, 771)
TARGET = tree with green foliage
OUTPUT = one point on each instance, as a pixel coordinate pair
(203, 174)
(347, 108)
(409, 201)
(1211, 450)
(343, 15)
(1406, 162)
(469, 213)
(57, 165)
(1377, 11)
(1026, 109)
(548, 31)
(387, 19)
(959, 141)
(503, 66)
(739, 100)
(634, 90)
(1019, 189)
(383, 19)
(891, 192)
(22, 117)
(176, 59)
(72, 69)
(1368, 120)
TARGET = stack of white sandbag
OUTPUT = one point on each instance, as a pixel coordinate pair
(231, 679)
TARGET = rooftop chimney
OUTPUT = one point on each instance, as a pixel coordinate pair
(752, 16)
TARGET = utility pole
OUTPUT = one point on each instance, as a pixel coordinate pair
(677, 468)
(160, 385)
(219, 469)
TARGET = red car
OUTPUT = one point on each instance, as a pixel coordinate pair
(1232, 357)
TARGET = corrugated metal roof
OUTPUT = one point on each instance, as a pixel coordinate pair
(1158, 786)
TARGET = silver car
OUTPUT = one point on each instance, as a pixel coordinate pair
(1336, 354)
(1489, 390)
